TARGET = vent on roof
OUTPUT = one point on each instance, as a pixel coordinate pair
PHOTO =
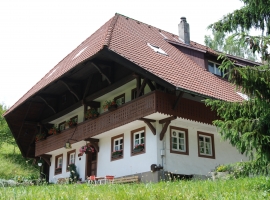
(80, 52)
(157, 49)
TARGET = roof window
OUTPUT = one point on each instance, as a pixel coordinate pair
(163, 35)
(214, 68)
(80, 52)
(157, 49)
(244, 96)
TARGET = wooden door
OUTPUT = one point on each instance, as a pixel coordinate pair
(91, 164)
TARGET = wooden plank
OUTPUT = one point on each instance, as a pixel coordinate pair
(180, 95)
(162, 121)
(63, 112)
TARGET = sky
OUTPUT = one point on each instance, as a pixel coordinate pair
(35, 35)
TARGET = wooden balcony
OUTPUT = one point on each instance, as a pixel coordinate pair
(155, 101)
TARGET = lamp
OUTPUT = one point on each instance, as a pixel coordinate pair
(39, 162)
(68, 145)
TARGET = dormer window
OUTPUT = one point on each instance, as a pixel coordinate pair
(213, 68)
(157, 49)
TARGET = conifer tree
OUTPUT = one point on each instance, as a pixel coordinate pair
(246, 124)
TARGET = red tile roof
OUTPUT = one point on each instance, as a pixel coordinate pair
(128, 38)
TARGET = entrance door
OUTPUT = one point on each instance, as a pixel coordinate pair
(91, 164)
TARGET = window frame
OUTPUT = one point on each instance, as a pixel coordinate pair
(68, 158)
(57, 164)
(132, 146)
(199, 133)
(112, 146)
(186, 152)
(216, 65)
(75, 117)
(63, 124)
(119, 97)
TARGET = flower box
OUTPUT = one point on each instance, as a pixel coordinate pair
(137, 150)
(112, 107)
(117, 156)
(58, 170)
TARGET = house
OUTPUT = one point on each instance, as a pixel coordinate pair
(159, 80)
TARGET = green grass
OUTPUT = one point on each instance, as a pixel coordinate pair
(244, 188)
(14, 166)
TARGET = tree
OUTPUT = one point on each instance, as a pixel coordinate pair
(246, 124)
(221, 42)
(5, 133)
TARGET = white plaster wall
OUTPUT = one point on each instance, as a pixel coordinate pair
(192, 163)
(79, 162)
(129, 164)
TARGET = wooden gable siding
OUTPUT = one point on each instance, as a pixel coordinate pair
(150, 103)
(196, 56)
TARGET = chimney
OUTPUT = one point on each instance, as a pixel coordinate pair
(183, 30)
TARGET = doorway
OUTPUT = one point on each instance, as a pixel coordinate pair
(91, 164)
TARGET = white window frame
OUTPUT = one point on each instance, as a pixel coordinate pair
(139, 139)
(216, 70)
(174, 133)
(119, 146)
(60, 162)
(204, 145)
(72, 158)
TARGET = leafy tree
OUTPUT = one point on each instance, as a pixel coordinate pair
(219, 41)
(5, 133)
(246, 124)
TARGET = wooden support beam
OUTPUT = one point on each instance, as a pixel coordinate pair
(30, 122)
(109, 88)
(148, 123)
(162, 121)
(63, 112)
(90, 78)
(142, 87)
(138, 84)
(180, 95)
(164, 129)
(32, 140)
(92, 104)
(70, 89)
(101, 72)
(46, 158)
(167, 121)
(45, 101)
(93, 142)
(23, 121)
(151, 86)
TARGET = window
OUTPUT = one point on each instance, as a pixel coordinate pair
(206, 147)
(157, 49)
(120, 99)
(58, 164)
(134, 93)
(117, 147)
(179, 140)
(62, 126)
(75, 118)
(71, 158)
(213, 68)
(138, 141)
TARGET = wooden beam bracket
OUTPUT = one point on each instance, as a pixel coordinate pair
(46, 158)
(46, 102)
(148, 123)
(101, 72)
(167, 122)
(70, 89)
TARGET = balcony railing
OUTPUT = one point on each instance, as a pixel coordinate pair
(150, 103)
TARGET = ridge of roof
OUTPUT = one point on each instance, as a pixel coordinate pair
(110, 29)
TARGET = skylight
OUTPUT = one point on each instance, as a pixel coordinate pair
(163, 36)
(80, 52)
(244, 96)
(157, 49)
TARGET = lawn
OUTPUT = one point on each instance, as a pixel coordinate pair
(243, 188)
